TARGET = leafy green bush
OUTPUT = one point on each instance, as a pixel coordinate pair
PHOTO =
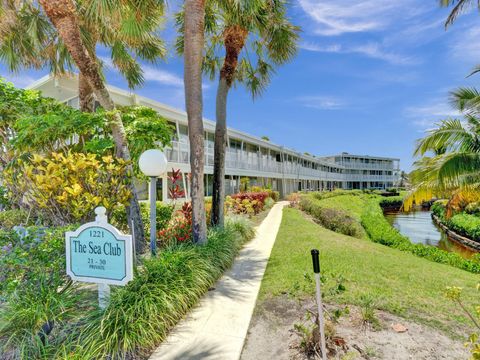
(466, 225)
(438, 208)
(333, 219)
(379, 230)
(118, 217)
(65, 188)
(11, 218)
(391, 201)
(24, 260)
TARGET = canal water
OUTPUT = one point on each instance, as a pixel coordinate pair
(419, 227)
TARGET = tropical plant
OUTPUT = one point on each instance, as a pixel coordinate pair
(459, 6)
(245, 40)
(29, 40)
(65, 188)
(453, 169)
(175, 191)
(194, 20)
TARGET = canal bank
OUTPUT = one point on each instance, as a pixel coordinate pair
(420, 227)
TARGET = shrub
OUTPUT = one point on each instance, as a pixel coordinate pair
(294, 199)
(11, 218)
(269, 202)
(333, 219)
(118, 217)
(250, 203)
(23, 260)
(274, 195)
(244, 184)
(438, 208)
(178, 229)
(66, 188)
(391, 202)
(466, 225)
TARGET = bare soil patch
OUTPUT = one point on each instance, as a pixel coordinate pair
(272, 336)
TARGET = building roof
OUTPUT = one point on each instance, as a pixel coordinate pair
(65, 88)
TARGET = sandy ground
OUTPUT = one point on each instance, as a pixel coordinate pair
(271, 336)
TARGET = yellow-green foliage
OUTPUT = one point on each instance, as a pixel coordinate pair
(66, 188)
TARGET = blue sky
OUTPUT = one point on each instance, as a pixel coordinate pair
(371, 76)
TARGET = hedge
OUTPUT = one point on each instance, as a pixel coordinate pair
(333, 219)
(464, 224)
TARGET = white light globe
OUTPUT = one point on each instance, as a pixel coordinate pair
(153, 162)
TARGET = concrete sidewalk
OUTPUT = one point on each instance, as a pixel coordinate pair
(217, 327)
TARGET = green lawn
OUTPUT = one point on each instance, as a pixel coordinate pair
(401, 283)
(353, 204)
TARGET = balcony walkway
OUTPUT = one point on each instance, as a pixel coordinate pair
(217, 327)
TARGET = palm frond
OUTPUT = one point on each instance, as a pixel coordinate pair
(459, 6)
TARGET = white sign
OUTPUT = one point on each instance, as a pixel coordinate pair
(99, 253)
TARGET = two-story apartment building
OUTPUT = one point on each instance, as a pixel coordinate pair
(262, 162)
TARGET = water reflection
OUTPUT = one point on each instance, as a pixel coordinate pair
(419, 227)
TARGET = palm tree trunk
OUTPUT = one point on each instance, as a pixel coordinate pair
(234, 38)
(62, 14)
(218, 196)
(85, 95)
(194, 43)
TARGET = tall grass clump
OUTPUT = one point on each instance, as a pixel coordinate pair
(140, 315)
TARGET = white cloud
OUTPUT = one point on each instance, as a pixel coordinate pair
(371, 50)
(336, 17)
(161, 76)
(465, 45)
(151, 73)
(426, 116)
(321, 102)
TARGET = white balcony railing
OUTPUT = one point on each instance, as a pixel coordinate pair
(239, 159)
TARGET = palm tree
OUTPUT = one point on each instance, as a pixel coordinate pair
(64, 17)
(458, 7)
(245, 41)
(194, 20)
(29, 40)
(453, 170)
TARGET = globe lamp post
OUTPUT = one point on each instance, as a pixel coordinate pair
(153, 163)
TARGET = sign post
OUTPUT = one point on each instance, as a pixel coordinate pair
(99, 253)
(316, 269)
